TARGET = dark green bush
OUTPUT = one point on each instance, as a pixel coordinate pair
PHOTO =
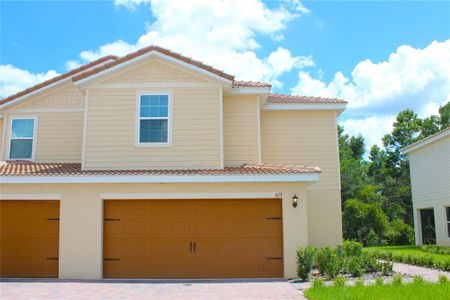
(322, 258)
(354, 265)
(436, 249)
(305, 256)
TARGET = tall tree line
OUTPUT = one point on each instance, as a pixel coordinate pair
(376, 188)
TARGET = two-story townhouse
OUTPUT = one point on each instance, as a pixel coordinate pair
(154, 165)
(429, 162)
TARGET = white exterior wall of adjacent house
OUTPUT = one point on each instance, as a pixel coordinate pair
(430, 185)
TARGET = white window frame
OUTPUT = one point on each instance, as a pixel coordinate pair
(33, 145)
(139, 118)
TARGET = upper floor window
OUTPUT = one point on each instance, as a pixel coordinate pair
(22, 138)
(154, 119)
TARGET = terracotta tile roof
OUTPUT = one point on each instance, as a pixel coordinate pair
(160, 50)
(74, 169)
(293, 99)
(58, 78)
(437, 134)
(242, 83)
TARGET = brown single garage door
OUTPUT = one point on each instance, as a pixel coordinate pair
(29, 238)
(193, 238)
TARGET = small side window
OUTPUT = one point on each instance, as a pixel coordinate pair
(22, 138)
(448, 221)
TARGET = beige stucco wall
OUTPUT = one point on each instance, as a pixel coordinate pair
(240, 130)
(59, 131)
(309, 138)
(430, 185)
(81, 210)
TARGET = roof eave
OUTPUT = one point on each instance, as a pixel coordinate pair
(339, 107)
(40, 91)
(83, 82)
(426, 141)
(306, 177)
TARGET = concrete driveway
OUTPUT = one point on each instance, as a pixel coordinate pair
(147, 289)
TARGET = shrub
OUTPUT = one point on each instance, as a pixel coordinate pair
(354, 265)
(436, 249)
(317, 283)
(359, 282)
(418, 279)
(443, 279)
(327, 262)
(351, 248)
(397, 280)
(340, 281)
(386, 267)
(379, 281)
(419, 259)
(322, 258)
(305, 256)
(369, 263)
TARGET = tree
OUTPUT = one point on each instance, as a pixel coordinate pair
(444, 112)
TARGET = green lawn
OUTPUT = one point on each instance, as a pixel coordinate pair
(407, 250)
(412, 291)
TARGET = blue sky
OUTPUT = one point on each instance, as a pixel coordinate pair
(297, 46)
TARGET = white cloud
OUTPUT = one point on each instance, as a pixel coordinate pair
(410, 78)
(371, 128)
(221, 33)
(14, 79)
(130, 4)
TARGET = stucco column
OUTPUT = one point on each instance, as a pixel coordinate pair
(295, 228)
(80, 246)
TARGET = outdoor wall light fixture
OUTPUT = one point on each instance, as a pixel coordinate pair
(294, 200)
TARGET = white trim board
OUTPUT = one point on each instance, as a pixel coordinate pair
(178, 196)
(250, 90)
(318, 106)
(36, 92)
(47, 110)
(425, 142)
(35, 131)
(30, 196)
(149, 54)
(161, 179)
(153, 85)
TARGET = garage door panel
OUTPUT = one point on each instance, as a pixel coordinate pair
(29, 238)
(233, 238)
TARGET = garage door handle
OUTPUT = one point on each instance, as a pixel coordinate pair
(111, 219)
(112, 259)
(271, 258)
(52, 258)
(194, 246)
(52, 219)
(190, 246)
(273, 218)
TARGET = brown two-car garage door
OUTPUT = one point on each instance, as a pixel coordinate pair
(193, 238)
(29, 238)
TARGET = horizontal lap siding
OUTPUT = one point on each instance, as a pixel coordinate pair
(240, 130)
(60, 124)
(430, 172)
(303, 138)
(309, 138)
(111, 133)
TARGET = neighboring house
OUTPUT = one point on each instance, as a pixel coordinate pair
(154, 165)
(429, 161)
